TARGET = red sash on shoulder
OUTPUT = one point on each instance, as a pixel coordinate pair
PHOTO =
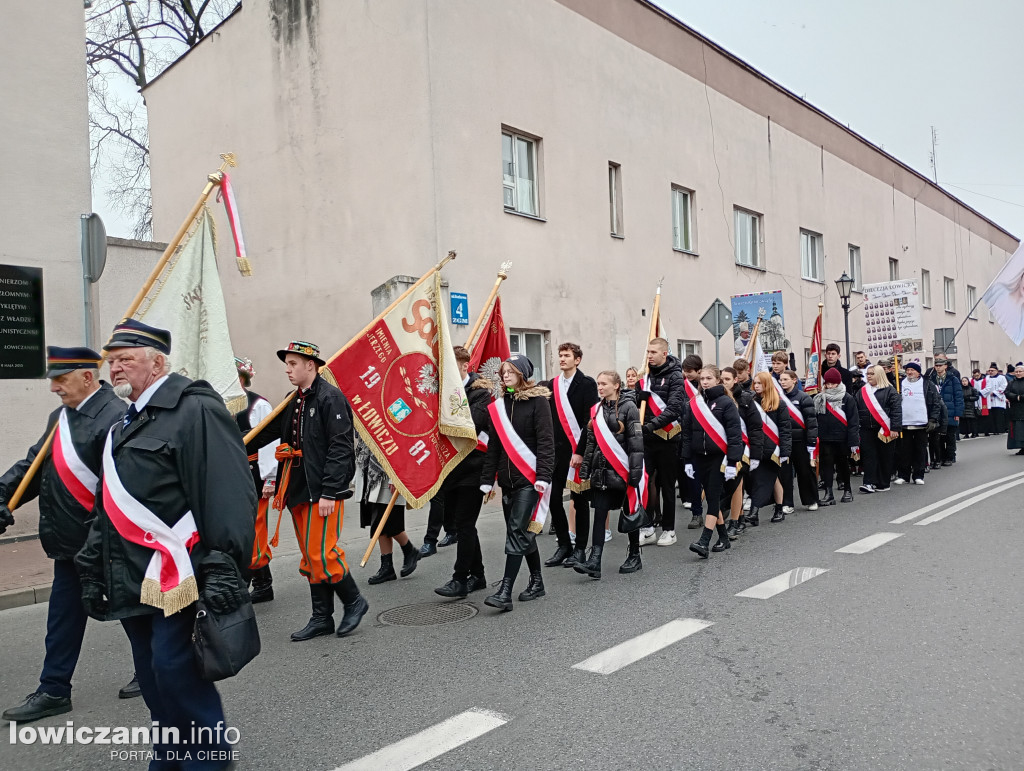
(794, 411)
(657, 406)
(524, 459)
(837, 414)
(481, 441)
(571, 428)
(876, 410)
(618, 459)
(76, 476)
(984, 399)
(712, 426)
(770, 430)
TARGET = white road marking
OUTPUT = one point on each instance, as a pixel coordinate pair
(939, 504)
(430, 743)
(867, 544)
(624, 654)
(969, 502)
(779, 584)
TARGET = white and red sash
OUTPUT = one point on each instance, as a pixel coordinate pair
(618, 459)
(837, 414)
(524, 459)
(712, 426)
(571, 427)
(794, 412)
(481, 441)
(657, 406)
(169, 583)
(76, 476)
(746, 439)
(876, 410)
(984, 399)
(771, 432)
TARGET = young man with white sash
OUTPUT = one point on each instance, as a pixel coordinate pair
(573, 394)
(176, 497)
(690, 490)
(752, 428)
(804, 424)
(664, 391)
(66, 487)
(881, 420)
(921, 408)
(521, 457)
(838, 432)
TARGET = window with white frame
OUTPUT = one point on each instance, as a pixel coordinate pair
(519, 173)
(894, 269)
(972, 300)
(534, 344)
(948, 294)
(615, 197)
(748, 238)
(855, 271)
(689, 348)
(975, 364)
(682, 220)
(812, 256)
(926, 288)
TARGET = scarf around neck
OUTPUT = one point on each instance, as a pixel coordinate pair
(832, 395)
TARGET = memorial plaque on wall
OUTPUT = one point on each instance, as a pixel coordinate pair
(22, 337)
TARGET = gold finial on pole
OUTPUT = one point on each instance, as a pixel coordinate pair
(506, 266)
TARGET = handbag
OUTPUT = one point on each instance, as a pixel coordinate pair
(223, 642)
(629, 523)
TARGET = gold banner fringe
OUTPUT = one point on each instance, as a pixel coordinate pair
(535, 527)
(580, 487)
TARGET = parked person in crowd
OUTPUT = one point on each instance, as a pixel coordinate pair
(881, 419)
(838, 432)
(742, 367)
(947, 381)
(935, 435)
(832, 352)
(775, 450)
(373, 491)
(860, 364)
(1015, 398)
(993, 388)
(804, 424)
(969, 422)
(632, 377)
(920, 407)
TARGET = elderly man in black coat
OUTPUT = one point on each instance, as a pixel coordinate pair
(176, 499)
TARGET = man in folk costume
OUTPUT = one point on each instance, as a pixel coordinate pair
(263, 466)
(573, 394)
(176, 497)
(66, 488)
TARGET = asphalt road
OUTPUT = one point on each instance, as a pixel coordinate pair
(906, 656)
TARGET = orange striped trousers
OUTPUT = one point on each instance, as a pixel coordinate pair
(323, 559)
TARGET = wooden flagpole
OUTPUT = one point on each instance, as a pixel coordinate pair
(486, 309)
(380, 527)
(651, 334)
(751, 352)
(213, 180)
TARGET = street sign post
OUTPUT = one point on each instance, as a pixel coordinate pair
(460, 308)
(717, 320)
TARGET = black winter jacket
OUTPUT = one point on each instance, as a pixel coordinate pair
(596, 466)
(696, 442)
(530, 416)
(808, 435)
(780, 416)
(1015, 399)
(181, 453)
(667, 382)
(844, 373)
(891, 403)
(63, 521)
(830, 429)
(751, 418)
(467, 473)
(971, 396)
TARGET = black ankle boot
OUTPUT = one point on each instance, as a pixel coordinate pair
(355, 605)
(322, 621)
(751, 518)
(723, 539)
(829, 499)
(592, 567)
(700, 547)
(632, 563)
(501, 599)
(578, 555)
(779, 515)
(730, 529)
(847, 496)
(262, 585)
(412, 557)
(560, 555)
(453, 588)
(534, 589)
(386, 572)
(741, 525)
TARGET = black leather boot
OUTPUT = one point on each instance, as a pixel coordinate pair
(700, 548)
(695, 521)
(412, 557)
(386, 572)
(779, 515)
(847, 496)
(534, 589)
(724, 542)
(578, 555)
(730, 529)
(322, 621)
(355, 605)
(592, 567)
(453, 588)
(38, 705)
(829, 499)
(632, 563)
(262, 585)
(476, 583)
(501, 599)
(751, 517)
(560, 555)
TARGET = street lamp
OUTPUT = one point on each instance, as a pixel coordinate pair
(845, 286)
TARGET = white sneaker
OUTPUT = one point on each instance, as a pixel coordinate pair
(867, 488)
(813, 507)
(918, 481)
(668, 538)
(787, 509)
(647, 536)
(899, 481)
(687, 505)
(607, 536)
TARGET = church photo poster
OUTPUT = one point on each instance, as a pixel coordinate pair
(747, 309)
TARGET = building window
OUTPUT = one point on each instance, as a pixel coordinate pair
(812, 256)
(894, 269)
(926, 288)
(855, 271)
(975, 364)
(519, 173)
(615, 197)
(682, 220)
(972, 301)
(689, 348)
(532, 343)
(949, 294)
(748, 238)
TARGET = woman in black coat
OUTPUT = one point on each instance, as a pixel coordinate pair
(766, 475)
(969, 422)
(877, 448)
(607, 487)
(838, 434)
(1015, 402)
(751, 426)
(527, 409)
(702, 454)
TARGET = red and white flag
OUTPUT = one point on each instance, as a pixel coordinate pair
(402, 380)
(227, 194)
(812, 383)
(491, 347)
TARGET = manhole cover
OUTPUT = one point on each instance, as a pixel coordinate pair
(428, 614)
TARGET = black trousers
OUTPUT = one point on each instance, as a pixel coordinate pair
(799, 465)
(762, 483)
(708, 469)
(913, 454)
(968, 427)
(518, 505)
(947, 440)
(464, 503)
(878, 459)
(605, 502)
(833, 456)
(65, 628)
(662, 459)
(438, 515)
(559, 519)
(998, 417)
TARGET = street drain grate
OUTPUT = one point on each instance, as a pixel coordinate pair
(428, 614)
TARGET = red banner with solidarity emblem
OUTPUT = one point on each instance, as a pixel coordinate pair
(403, 383)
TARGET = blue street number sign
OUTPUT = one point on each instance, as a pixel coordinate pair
(460, 308)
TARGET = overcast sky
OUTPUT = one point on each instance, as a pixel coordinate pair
(893, 69)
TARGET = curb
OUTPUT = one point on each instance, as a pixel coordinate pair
(30, 595)
(6, 539)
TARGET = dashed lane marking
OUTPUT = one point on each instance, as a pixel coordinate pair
(939, 504)
(631, 651)
(779, 584)
(969, 502)
(865, 545)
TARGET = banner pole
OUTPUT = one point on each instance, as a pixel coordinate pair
(380, 527)
(652, 332)
(213, 180)
(486, 309)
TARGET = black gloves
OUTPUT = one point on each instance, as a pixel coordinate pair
(6, 518)
(93, 601)
(223, 590)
